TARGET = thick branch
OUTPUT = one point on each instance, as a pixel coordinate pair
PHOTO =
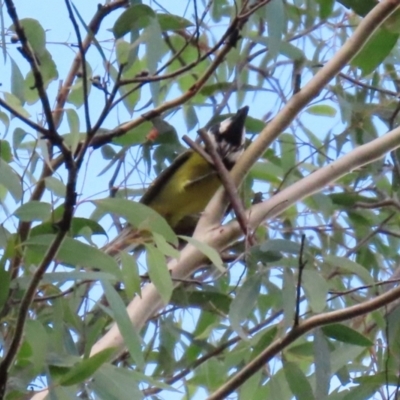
(283, 119)
(313, 322)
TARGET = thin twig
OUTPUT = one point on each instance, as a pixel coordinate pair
(232, 36)
(366, 86)
(228, 184)
(302, 264)
(217, 351)
(28, 53)
(22, 118)
(83, 64)
(197, 148)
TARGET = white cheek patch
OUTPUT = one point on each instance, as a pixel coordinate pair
(224, 125)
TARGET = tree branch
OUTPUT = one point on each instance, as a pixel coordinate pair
(313, 322)
(311, 90)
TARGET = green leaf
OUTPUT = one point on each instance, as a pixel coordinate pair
(108, 152)
(169, 22)
(34, 33)
(79, 223)
(36, 335)
(15, 103)
(75, 96)
(10, 180)
(164, 246)
(56, 186)
(349, 265)
(204, 299)
(325, 8)
(243, 303)
(275, 16)
(74, 126)
(130, 274)
(262, 340)
(190, 116)
(131, 337)
(5, 151)
(133, 18)
(349, 199)
(298, 382)
(322, 359)
(152, 36)
(207, 250)
(288, 154)
(33, 211)
(345, 334)
(139, 216)
(17, 82)
(374, 52)
(288, 297)
(75, 253)
(316, 289)
(159, 273)
(134, 136)
(360, 7)
(5, 280)
(114, 383)
(282, 245)
(321, 110)
(86, 368)
(49, 73)
(5, 120)
(363, 391)
(292, 52)
(18, 136)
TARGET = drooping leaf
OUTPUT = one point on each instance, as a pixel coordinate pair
(130, 274)
(322, 358)
(75, 253)
(344, 333)
(350, 266)
(208, 251)
(138, 215)
(115, 383)
(375, 50)
(33, 211)
(17, 82)
(297, 381)
(275, 16)
(283, 245)
(131, 337)
(321, 110)
(133, 18)
(316, 289)
(10, 180)
(86, 368)
(5, 151)
(244, 302)
(169, 22)
(34, 33)
(158, 272)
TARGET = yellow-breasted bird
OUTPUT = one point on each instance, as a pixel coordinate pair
(182, 191)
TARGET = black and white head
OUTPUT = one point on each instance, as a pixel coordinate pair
(228, 137)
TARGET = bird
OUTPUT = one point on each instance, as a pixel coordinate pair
(182, 190)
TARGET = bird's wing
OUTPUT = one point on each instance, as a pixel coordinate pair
(199, 179)
(156, 186)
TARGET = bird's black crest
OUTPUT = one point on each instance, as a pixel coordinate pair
(229, 135)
